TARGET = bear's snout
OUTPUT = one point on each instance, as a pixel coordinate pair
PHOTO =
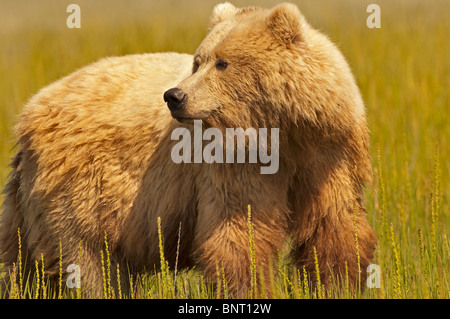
(176, 100)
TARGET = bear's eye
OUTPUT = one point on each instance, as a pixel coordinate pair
(221, 64)
(195, 67)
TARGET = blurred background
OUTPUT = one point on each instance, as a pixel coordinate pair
(403, 71)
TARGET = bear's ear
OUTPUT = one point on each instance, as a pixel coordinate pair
(286, 23)
(222, 12)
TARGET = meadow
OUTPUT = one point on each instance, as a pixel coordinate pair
(402, 69)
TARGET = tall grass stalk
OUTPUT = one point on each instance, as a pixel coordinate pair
(318, 281)
(44, 290)
(162, 259)
(109, 289)
(435, 198)
(166, 280)
(422, 254)
(131, 286)
(19, 260)
(60, 271)
(36, 295)
(251, 242)
(119, 287)
(397, 268)
(218, 283)
(105, 289)
(305, 284)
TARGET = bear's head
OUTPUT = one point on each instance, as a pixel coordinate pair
(267, 68)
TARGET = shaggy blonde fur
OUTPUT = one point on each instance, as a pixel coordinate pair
(94, 156)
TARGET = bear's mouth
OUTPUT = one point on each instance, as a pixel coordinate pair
(185, 120)
(189, 119)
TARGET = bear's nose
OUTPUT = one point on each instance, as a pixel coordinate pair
(175, 98)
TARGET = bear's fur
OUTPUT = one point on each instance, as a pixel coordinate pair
(94, 157)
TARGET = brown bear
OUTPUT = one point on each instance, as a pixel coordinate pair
(95, 157)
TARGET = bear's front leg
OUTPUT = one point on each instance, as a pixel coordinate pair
(340, 245)
(231, 250)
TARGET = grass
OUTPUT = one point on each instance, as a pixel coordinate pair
(403, 72)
